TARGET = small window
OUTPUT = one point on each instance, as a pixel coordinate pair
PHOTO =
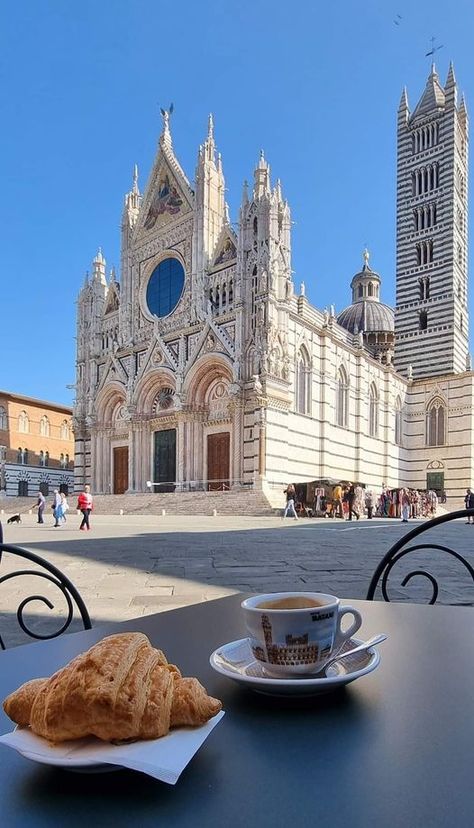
(65, 430)
(361, 291)
(303, 383)
(423, 320)
(23, 423)
(373, 411)
(3, 418)
(46, 458)
(436, 424)
(44, 426)
(41, 458)
(398, 422)
(342, 399)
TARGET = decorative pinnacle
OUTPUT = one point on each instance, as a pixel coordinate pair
(135, 179)
(210, 127)
(165, 137)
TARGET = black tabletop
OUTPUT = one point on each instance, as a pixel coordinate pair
(395, 748)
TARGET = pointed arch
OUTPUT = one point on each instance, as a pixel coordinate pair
(303, 381)
(373, 410)
(147, 389)
(45, 428)
(23, 423)
(206, 369)
(107, 400)
(342, 398)
(436, 422)
(65, 430)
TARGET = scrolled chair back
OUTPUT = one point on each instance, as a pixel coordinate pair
(46, 571)
(402, 548)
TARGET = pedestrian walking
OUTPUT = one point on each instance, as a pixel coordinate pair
(370, 503)
(56, 507)
(290, 502)
(64, 506)
(405, 504)
(351, 496)
(337, 501)
(40, 503)
(84, 504)
(469, 504)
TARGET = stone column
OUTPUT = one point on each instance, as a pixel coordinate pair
(238, 448)
(181, 449)
(94, 461)
(262, 447)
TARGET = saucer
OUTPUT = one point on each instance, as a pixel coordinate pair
(236, 661)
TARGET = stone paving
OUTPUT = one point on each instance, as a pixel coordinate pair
(134, 565)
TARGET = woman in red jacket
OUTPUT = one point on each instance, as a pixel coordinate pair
(84, 504)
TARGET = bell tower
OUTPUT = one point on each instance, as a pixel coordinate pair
(431, 317)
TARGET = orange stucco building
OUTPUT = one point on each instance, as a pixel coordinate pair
(36, 445)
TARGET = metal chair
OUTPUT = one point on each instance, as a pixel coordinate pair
(397, 552)
(54, 576)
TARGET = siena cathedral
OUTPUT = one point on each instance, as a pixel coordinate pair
(203, 368)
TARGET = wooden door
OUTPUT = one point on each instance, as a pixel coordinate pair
(120, 469)
(218, 461)
(164, 467)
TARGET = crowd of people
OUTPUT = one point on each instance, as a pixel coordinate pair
(60, 507)
(348, 501)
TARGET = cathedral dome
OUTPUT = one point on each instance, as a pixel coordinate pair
(367, 316)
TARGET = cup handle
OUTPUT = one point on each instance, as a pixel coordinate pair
(343, 635)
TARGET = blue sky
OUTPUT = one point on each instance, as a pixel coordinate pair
(316, 85)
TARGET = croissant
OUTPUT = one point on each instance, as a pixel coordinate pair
(122, 689)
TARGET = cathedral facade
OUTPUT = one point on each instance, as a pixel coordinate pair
(204, 368)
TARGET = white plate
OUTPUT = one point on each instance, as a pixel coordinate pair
(236, 661)
(163, 758)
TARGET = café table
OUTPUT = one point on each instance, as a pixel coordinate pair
(394, 748)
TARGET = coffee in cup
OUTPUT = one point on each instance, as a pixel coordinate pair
(295, 633)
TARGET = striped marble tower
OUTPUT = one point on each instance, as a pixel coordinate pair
(431, 317)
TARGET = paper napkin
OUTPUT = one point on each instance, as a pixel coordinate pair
(164, 758)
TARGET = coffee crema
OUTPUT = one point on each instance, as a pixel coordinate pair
(295, 602)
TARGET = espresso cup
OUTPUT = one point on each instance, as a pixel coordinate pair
(296, 633)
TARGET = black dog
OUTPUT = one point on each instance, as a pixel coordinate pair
(14, 519)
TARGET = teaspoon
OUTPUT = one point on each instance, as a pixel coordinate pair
(371, 642)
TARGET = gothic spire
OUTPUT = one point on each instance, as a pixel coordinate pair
(433, 98)
(135, 180)
(450, 80)
(98, 268)
(262, 177)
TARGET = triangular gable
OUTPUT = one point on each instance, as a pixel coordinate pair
(168, 195)
(158, 353)
(226, 248)
(113, 370)
(112, 302)
(210, 332)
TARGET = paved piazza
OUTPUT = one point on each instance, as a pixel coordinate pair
(131, 566)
